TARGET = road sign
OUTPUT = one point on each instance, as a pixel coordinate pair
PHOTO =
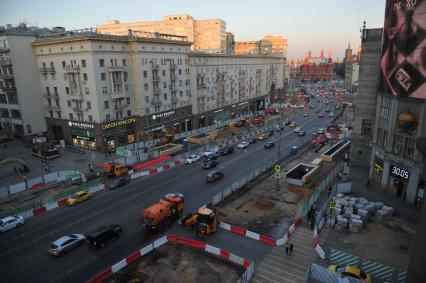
(332, 204)
(277, 168)
(277, 175)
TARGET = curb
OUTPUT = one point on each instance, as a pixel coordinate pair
(223, 254)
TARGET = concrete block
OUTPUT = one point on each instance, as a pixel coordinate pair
(339, 228)
(339, 195)
(342, 221)
(353, 229)
(355, 216)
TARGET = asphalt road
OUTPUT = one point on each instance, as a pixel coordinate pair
(23, 251)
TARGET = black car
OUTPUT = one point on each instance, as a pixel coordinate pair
(227, 150)
(211, 156)
(270, 133)
(104, 235)
(269, 145)
(209, 164)
(214, 176)
(287, 122)
(252, 140)
(118, 183)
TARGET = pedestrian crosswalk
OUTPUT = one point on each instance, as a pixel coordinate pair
(377, 270)
(402, 276)
(342, 258)
(277, 267)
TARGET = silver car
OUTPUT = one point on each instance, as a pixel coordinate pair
(10, 222)
(65, 243)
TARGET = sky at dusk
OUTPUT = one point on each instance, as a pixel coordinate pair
(308, 24)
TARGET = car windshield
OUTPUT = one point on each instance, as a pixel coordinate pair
(73, 236)
(75, 196)
(53, 246)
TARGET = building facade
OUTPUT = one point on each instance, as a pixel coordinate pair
(230, 43)
(223, 87)
(279, 45)
(366, 98)
(351, 76)
(260, 47)
(316, 68)
(206, 35)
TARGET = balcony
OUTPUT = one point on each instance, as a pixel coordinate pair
(72, 68)
(172, 66)
(172, 87)
(116, 68)
(9, 89)
(6, 76)
(51, 95)
(53, 107)
(5, 62)
(77, 109)
(120, 106)
(4, 49)
(156, 78)
(201, 86)
(45, 71)
(156, 101)
(155, 67)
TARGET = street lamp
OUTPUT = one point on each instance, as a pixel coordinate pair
(147, 130)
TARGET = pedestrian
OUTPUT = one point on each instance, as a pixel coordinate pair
(329, 191)
(291, 248)
(287, 247)
(312, 221)
(367, 184)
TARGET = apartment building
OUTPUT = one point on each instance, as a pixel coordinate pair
(279, 45)
(21, 105)
(206, 35)
(260, 47)
(351, 75)
(223, 87)
(230, 43)
(107, 91)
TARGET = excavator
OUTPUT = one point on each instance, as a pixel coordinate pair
(204, 222)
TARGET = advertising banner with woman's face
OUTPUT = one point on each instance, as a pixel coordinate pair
(403, 61)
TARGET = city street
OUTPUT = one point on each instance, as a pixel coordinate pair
(24, 250)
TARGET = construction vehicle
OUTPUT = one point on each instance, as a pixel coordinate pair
(204, 222)
(113, 169)
(159, 216)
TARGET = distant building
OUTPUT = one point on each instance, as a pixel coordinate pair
(230, 43)
(318, 68)
(279, 45)
(349, 56)
(273, 45)
(351, 76)
(206, 35)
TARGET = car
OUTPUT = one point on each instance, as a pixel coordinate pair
(209, 164)
(227, 150)
(327, 110)
(316, 110)
(79, 197)
(287, 122)
(210, 151)
(252, 140)
(11, 222)
(292, 125)
(118, 183)
(170, 195)
(103, 235)
(320, 115)
(214, 176)
(243, 144)
(192, 159)
(262, 137)
(65, 243)
(320, 131)
(305, 114)
(296, 130)
(301, 133)
(269, 144)
(350, 271)
(270, 133)
(331, 114)
(211, 156)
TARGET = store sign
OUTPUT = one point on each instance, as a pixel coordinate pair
(163, 115)
(118, 123)
(81, 125)
(397, 172)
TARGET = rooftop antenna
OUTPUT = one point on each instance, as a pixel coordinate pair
(363, 30)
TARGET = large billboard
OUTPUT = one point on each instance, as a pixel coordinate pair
(403, 61)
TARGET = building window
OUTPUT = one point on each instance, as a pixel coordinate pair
(181, 93)
(366, 127)
(385, 108)
(55, 90)
(165, 96)
(145, 74)
(145, 86)
(125, 76)
(164, 85)
(128, 100)
(129, 113)
(106, 104)
(85, 77)
(90, 118)
(146, 99)
(83, 63)
(28, 129)
(124, 62)
(59, 114)
(63, 64)
(409, 148)
(67, 90)
(398, 144)
(126, 88)
(104, 90)
(51, 114)
(180, 71)
(89, 105)
(107, 117)
(101, 63)
(69, 103)
(164, 73)
(103, 76)
(71, 117)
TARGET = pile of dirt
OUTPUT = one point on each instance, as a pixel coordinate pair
(176, 263)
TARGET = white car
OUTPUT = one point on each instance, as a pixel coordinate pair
(243, 144)
(11, 222)
(211, 151)
(320, 131)
(298, 129)
(192, 158)
(65, 243)
(331, 114)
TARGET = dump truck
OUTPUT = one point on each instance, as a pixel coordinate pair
(204, 222)
(159, 216)
(114, 169)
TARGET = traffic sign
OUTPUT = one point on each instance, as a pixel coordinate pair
(277, 168)
(332, 204)
(277, 175)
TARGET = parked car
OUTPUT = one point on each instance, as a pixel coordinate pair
(252, 140)
(320, 115)
(331, 114)
(192, 159)
(209, 164)
(243, 144)
(211, 156)
(118, 183)
(262, 137)
(210, 151)
(11, 222)
(270, 133)
(227, 150)
(65, 243)
(79, 197)
(269, 144)
(287, 122)
(104, 235)
(214, 176)
(320, 131)
(301, 133)
(350, 271)
(293, 125)
(296, 130)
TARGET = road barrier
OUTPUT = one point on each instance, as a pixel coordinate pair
(221, 253)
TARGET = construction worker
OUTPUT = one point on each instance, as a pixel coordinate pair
(287, 247)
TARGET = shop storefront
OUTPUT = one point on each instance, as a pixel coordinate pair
(398, 182)
(377, 171)
(118, 133)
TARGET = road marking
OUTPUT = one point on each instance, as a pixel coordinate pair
(402, 276)
(377, 270)
(343, 258)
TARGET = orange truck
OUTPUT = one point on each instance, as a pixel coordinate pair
(114, 169)
(159, 216)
